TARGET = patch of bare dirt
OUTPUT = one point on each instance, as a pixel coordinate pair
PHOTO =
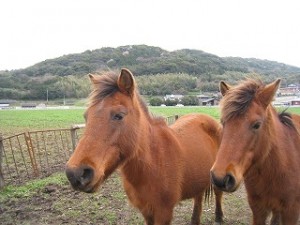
(60, 204)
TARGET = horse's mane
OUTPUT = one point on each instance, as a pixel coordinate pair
(106, 85)
(237, 100)
(286, 119)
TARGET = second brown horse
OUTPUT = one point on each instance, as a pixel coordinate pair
(261, 147)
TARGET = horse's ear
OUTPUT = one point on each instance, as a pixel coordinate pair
(126, 82)
(92, 78)
(268, 93)
(224, 87)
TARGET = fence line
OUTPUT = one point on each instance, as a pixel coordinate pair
(36, 154)
(1, 159)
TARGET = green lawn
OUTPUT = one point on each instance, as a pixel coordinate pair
(170, 111)
(15, 121)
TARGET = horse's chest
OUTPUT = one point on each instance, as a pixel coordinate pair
(145, 197)
(269, 193)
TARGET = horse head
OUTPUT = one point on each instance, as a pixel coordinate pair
(110, 132)
(246, 129)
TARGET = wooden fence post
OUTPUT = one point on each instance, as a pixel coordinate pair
(74, 137)
(31, 154)
(176, 117)
(1, 155)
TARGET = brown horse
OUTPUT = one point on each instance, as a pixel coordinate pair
(159, 165)
(262, 147)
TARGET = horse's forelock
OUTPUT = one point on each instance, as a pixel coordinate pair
(104, 85)
(237, 99)
(107, 84)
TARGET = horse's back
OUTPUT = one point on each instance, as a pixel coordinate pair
(199, 137)
(202, 127)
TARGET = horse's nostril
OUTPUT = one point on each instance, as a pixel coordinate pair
(71, 177)
(87, 175)
(229, 182)
(80, 177)
(216, 181)
(226, 183)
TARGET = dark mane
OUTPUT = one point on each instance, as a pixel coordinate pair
(237, 99)
(106, 85)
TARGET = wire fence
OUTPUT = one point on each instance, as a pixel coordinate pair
(36, 154)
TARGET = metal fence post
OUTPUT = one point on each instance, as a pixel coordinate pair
(1, 155)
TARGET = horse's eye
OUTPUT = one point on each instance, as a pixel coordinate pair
(118, 116)
(256, 125)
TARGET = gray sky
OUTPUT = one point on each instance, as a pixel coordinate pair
(36, 30)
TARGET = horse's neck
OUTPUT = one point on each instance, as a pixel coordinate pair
(274, 159)
(154, 145)
(140, 162)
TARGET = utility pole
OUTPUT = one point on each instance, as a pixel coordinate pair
(47, 96)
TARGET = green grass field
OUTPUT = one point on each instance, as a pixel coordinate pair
(170, 111)
(16, 121)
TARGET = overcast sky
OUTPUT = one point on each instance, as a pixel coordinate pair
(36, 30)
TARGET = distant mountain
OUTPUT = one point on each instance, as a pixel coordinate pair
(142, 60)
(263, 67)
(64, 76)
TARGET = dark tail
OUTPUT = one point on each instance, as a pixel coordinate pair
(208, 196)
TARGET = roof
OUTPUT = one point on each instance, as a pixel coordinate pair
(208, 100)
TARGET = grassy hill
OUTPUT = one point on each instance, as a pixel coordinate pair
(65, 75)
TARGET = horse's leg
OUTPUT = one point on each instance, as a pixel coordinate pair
(148, 217)
(197, 210)
(290, 217)
(275, 218)
(218, 211)
(149, 220)
(163, 216)
(259, 214)
(160, 216)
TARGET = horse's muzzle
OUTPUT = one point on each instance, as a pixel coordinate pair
(80, 178)
(226, 183)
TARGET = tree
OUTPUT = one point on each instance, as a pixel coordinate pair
(170, 102)
(156, 101)
(189, 100)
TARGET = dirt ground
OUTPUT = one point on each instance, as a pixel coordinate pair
(59, 204)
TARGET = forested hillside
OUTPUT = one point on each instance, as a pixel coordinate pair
(159, 72)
